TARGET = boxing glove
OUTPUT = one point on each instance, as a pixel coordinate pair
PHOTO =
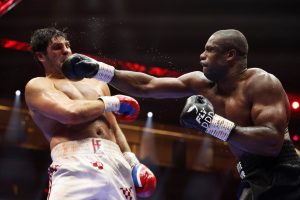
(198, 113)
(143, 178)
(78, 66)
(125, 108)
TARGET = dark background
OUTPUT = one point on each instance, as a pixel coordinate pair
(169, 34)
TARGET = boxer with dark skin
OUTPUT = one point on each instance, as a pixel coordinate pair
(252, 98)
(77, 119)
(252, 101)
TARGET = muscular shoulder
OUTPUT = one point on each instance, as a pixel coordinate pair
(259, 78)
(196, 75)
(36, 86)
(38, 82)
(195, 80)
(263, 83)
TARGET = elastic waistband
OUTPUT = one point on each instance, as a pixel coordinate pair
(85, 146)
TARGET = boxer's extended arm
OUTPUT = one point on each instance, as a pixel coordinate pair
(270, 114)
(42, 97)
(79, 66)
(144, 85)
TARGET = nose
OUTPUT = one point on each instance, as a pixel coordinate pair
(202, 55)
(67, 50)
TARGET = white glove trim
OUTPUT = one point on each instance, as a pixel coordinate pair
(220, 127)
(131, 158)
(105, 72)
(111, 103)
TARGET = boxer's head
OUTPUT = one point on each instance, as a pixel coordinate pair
(224, 49)
(40, 38)
(50, 48)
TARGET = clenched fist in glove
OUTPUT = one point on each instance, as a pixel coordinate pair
(125, 108)
(143, 178)
(78, 66)
(198, 113)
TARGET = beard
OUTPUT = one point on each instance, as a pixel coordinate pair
(214, 75)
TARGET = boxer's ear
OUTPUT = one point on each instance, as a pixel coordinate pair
(39, 56)
(231, 54)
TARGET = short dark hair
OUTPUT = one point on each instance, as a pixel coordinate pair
(233, 39)
(41, 37)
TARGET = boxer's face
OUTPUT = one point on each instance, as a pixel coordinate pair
(212, 60)
(57, 51)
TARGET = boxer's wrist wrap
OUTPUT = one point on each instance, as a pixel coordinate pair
(111, 103)
(131, 159)
(220, 127)
(105, 73)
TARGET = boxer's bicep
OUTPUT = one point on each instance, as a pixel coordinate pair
(272, 116)
(144, 85)
(185, 85)
(268, 114)
(43, 98)
(269, 106)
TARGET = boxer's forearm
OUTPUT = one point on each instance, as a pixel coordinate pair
(75, 112)
(133, 83)
(121, 140)
(144, 85)
(260, 140)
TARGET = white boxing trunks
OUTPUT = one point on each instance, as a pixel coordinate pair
(89, 169)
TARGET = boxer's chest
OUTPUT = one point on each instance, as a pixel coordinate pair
(235, 107)
(84, 89)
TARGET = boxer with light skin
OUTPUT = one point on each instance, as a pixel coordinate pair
(246, 107)
(91, 156)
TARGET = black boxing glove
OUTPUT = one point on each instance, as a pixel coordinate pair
(198, 113)
(78, 66)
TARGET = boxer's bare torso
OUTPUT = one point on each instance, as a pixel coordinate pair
(251, 98)
(240, 100)
(87, 89)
